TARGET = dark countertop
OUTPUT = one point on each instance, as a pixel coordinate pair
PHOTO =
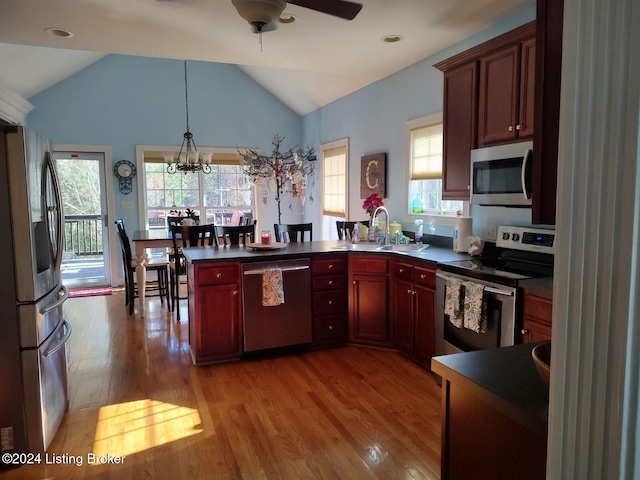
(542, 286)
(504, 378)
(244, 254)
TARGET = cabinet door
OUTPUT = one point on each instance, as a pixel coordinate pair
(498, 96)
(219, 315)
(527, 88)
(403, 298)
(533, 331)
(424, 326)
(368, 310)
(459, 116)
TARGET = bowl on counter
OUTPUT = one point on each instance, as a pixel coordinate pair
(541, 355)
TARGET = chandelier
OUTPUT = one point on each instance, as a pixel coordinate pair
(189, 159)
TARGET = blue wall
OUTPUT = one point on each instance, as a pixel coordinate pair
(123, 101)
(374, 117)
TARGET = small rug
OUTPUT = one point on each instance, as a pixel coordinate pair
(90, 292)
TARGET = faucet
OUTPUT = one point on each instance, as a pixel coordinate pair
(375, 213)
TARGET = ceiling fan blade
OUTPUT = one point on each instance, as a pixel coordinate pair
(338, 8)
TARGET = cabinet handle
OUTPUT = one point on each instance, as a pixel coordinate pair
(511, 128)
(354, 282)
(468, 187)
(330, 327)
(235, 292)
(524, 332)
(401, 270)
(518, 127)
(330, 282)
(330, 266)
(409, 291)
(330, 302)
(218, 275)
(422, 276)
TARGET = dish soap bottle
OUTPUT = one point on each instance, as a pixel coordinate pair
(416, 205)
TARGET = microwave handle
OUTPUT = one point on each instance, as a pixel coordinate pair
(523, 174)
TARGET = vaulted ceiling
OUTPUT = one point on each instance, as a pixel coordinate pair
(306, 64)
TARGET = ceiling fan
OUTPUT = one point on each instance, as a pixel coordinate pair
(260, 13)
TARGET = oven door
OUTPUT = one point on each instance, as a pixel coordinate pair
(501, 319)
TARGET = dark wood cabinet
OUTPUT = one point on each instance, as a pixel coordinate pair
(459, 117)
(414, 309)
(537, 317)
(506, 95)
(485, 87)
(368, 300)
(330, 305)
(549, 15)
(215, 312)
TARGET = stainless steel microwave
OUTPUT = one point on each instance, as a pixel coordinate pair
(501, 175)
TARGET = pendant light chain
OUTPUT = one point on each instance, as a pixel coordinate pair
(186, 93)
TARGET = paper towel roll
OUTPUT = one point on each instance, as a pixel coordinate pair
(465, 230)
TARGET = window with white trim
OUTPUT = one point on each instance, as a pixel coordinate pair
(334, 179)
(226, 196)
(425, 146)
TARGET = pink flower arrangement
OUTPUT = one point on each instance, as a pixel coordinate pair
(372, 202)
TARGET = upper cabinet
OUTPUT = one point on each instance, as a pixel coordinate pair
(505, 103)
(507, 90)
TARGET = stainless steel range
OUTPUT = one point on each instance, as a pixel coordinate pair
(520, 253)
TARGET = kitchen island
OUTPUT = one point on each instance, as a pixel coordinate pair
(217, 299)
(494, 415)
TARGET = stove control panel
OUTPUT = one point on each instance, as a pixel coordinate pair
(526, 238)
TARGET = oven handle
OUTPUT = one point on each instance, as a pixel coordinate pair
(497, 291)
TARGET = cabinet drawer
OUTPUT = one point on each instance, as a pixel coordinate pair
(403, 271)
(538, 308)
(329, 266)
(331, 327)
(425, 277)
(369, 264)
(329, 282)
(329, 302)
(217, 274)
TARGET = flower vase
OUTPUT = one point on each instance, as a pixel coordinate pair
(371, 236)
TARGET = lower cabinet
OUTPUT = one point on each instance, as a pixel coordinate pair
(368, 300)
(329, 300)
(414, 309)
(537, 313)
(215, 312)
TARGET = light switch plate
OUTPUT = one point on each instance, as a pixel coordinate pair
(491, 233)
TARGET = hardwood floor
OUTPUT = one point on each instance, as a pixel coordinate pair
(346, 413)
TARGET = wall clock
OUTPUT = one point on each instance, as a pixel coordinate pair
(125, 171)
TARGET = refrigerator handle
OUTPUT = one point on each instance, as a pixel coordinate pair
(51, 349)
(59, 301)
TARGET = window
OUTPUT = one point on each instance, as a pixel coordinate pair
(334, 178)
(425, 141)
(225, 196)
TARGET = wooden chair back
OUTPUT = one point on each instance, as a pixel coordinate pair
(345, 229)
(237, 234)
(293, 232)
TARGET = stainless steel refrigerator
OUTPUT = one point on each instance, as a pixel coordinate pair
(33, 329)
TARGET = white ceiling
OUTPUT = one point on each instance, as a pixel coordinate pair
(306, 64)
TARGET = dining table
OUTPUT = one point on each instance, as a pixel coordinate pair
(143, 239)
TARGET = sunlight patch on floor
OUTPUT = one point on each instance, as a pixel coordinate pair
(128, 428)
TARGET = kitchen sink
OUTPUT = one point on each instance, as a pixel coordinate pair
(374, 247)
(411, 248)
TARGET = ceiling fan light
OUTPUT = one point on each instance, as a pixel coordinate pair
(259, 11)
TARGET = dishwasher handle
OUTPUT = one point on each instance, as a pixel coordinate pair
(285, 269)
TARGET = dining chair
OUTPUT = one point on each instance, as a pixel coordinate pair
(345, 229)
(155, 265)
(171, 220)
(293, 232)
(186, 236)
(231, 235)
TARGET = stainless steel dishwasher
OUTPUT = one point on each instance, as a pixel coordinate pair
(277, 326)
